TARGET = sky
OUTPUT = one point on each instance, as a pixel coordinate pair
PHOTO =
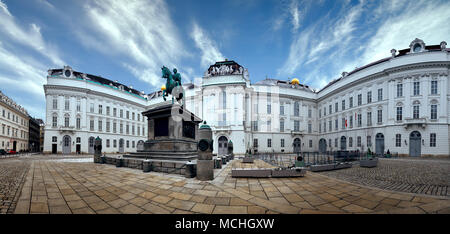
(129, 41)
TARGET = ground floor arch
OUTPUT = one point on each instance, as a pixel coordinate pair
(67, 146)
(297, 145)
(379, 144)
(415, 144)
(223, 145)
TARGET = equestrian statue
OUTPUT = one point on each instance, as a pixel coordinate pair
(173, 85)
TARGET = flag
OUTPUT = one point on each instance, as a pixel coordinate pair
(345, 122)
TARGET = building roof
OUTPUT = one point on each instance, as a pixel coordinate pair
(283, 84)
(11, 103)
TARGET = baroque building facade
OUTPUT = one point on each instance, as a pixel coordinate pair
(400, 103)
(81, 107)
(14, 122)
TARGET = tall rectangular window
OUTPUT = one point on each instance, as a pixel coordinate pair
(310, 144)
(91, 125)
(433, 111)
(359, 120)
(369, 97)
(432, 139)
(336, 124)
(55, 103)
(434, 87)
(121, 128)
(416, 88)
(351, 121)
(369, 118)
(127, 129)
(296, 109)
(329, 125)
(336, 107)
(415, 111)
(254, 125)
(66, 121)
(78, 122)
(128, 114)
(255, 143)
(380, 116)
(100, 109)
(282, 143)
(343, 104)
(282, 109)
(350, 102)
(320, 127)
(399, 90)
(269, 125)
(343, 123)
(380, 94)
(114, 112)
(54, 121)
(269, 143)
(67, 103)
(358, 141)
(100, 125)
(309, 113)
(91, 108)
(114, 127)
(132, 116)
(398, 140)
(350, 142)
(324, 111)
(309, 128)
(399, 113)
(78, 105)
(281, 125)
(330, 109)
(269, 109)
(296, 125)
(121, 113)
(108, 110)
(108, 126)
(359, 99)
(324, 126)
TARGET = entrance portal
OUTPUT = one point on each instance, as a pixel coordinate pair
(66, 149)
(415, 144)
(91, 145)
(223, 145)
(297, 145)
(343, 143)
(379, 144)
(322, 145)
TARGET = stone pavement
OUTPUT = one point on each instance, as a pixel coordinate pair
(60, 187)
(420, 176)
(12, 174)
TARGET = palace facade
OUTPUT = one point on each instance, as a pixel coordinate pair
(14, 121)
(400, 103)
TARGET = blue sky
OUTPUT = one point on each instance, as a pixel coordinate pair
(129, 41)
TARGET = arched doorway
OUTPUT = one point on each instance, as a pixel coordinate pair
(297, 145)
(66, 149)
(322, 145)
(415, 144)
(223, 145)
(140, 145)
(343, 143)
(379, 144)
(91, 145)
(121, 145)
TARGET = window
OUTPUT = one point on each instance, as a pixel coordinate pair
(351, 102)
(399, 90)
(78, 122)
(358, 141)
(343, 123)
(128, 114)
(350, 142)
(269, 109)
(114, 127)
(415, 111)
(114, 143)
(100, 125)
(433, 111)
(336, 142)
(309, 113)
(121, 113)
(92, 108)
(320, 113)
(343, 104)
(55, 121)
(66, 103)
(380, 116)
(108, 110)
(138, 130)
(282, 142)
(369, 118)
(310, 144)
(114, 112)
(132, 130)
(128, 144)
(132, 144)
(296, 125)
(324, 111)
(269, 143)
(398, 140)
(78, 139)
(107, 143)
(92, 125)
(254, 125)
(54, 139)
(55, 103)
(78, 105)
(336, 107)
(351, 121)
(380, 94)
(324, 126)
(132, 116)
(127, 129)
(282, 109)
(309, 128)
(336, 124)
(255, 143)
(359, 120)
(296, 109)
(432, 139)
(329, 109)
(399, 113)
(66, 121)
(139, 117)
(269, 125)
(359, 99)
(281, 125)
(100, 109)
(434, 87)
(369, 97)
(320, 127)
(329, 125)
(416, 88)
(108, 126)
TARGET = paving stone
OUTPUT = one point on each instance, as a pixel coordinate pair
(118, 203)
(181, 196)
(203, 208)
(84, 210)
(355, 209)
(130, 209)
(60, 210)
(161, 199)
(39, 208)
(230, 210)
(180, 204)
(217, 201)
(154, 209)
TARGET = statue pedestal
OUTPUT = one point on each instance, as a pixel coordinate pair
(172, 136)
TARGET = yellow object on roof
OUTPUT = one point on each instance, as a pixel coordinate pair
(163, 87)
(295, 81)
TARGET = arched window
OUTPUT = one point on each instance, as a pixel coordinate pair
(66, 120)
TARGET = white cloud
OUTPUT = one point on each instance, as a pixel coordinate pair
(141, 33)
(31, 38)
(295, 14)
(210, 52)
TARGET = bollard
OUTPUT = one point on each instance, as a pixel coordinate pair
(119, 162)
(224, 160)
(218, 163)
(146, 165)
(190, 170)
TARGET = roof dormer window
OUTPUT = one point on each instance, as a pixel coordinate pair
(417, 48)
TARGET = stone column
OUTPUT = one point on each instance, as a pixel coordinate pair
(205, 164)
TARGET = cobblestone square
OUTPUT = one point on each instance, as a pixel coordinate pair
(75, 185)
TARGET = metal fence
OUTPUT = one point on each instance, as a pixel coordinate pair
(316, 158)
